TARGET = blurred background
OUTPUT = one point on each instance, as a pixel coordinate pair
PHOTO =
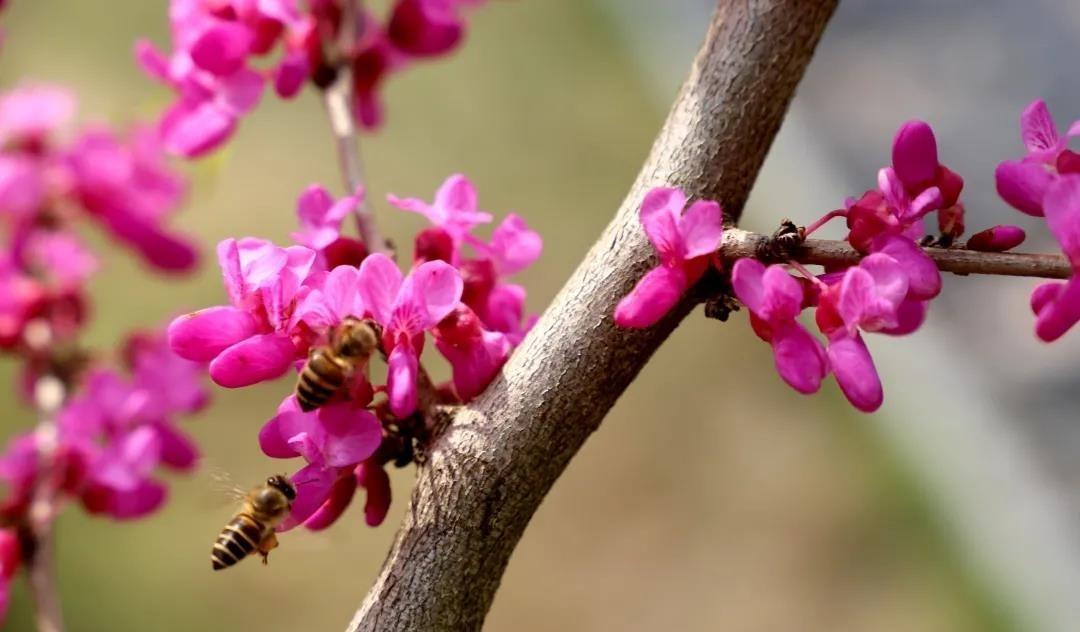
(711, 498)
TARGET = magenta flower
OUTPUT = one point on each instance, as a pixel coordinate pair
(915, 162)
(475, 354)
(683, 241)
(333, 440)
(321, 217)
(1057, 305)
(907, 210)
(425, 28)
(1040, 134)
(130, 190)
(1023, 183)
(249, 341)
(775, 300)
(997, 238)
(29, 114)
(406, 308)
(501, 305)
(454, 209)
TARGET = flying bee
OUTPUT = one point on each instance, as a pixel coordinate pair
(329, 367)
(252, 528)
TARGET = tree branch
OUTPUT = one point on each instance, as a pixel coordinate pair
(490, 469)
(740, 243)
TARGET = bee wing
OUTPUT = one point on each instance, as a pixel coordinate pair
(223, 489)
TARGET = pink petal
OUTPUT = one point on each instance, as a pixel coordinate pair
(861, 303)
(653, 297)
(800, 358)
(313, 485)
(924, 279)
(1059, 315)
(375, 480)
(402, 367)
(893, 189)
(456, 193)
(928, 201)
(783, 296)
(855, 373)
(659, 215)
(241, 92)
(222, 49)
(290, 74)
(257, 359)
(151, 60)
(1074, 129)
(380, 281)
(159, 248)
(435, 288)
(1044, 294)
(914, 153)
(1062, 207)
(274, 435)
(747, 279)
(313, 204)
(996, 239)
(517, 245)
(909, 317)
(177, 449)
(701, 228)
(341, 291)
(352, 434)
(1038, 131)
(341, 494)
(135, 503)
(1022, 185)
(890, 278)
(192, 131)
(200, 336)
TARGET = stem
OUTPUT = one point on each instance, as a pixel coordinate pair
(738, 244)
(824, 219)
(338, 99)
(48, 395)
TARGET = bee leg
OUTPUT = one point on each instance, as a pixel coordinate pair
(269, 543)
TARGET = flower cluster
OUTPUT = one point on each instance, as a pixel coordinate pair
(286, 301)
(1046, 183)
(214, 44)
(112, 434)
(888, 291)
(122, 183)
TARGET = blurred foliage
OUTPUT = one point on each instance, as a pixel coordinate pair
(713, 497)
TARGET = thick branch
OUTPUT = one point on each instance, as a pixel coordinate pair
(740, 243)
(493, 465)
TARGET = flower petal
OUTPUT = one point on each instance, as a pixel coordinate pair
(200, 336)
(377, 484)
(653, 297)
(402, 367)
(341, 494)
(701, 227)
(659, 215)
(1059, 315)
(256, 359)
(855, 373)
(923, 276)
(352, 434)
(996, 238)
(435, 288)
(1062, 207)
(1023, 185)
(914, 153)
(313, 485)
(380, 281)
(800, 358)
(1038, 131)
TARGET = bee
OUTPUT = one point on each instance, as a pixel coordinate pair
(328, 367)
(252, 528)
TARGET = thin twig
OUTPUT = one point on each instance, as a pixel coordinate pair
(337, 99)
(740, 243)
(49, 393)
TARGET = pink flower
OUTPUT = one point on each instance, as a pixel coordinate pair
(454, 209)
(684, 243)
(320, 226)
(1040, 134)
(131, 191)
(251, 340)
(1022, 184)
(997, 238)
(775, 300)
(10, 560)
(1057, 305)
(30, 113)
(475, 354)
(425, 28)
(501, 305)
(915, 163)
(406, 308)
(334, 440)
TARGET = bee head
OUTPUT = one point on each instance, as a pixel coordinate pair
(282, 484)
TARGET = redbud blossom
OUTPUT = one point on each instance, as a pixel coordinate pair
(996, 238)
(684, 242)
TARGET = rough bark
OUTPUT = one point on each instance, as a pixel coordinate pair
(488, 471)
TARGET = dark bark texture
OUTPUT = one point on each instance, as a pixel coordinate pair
(490, 468)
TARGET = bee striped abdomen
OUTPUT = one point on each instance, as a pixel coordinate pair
(237, 540)
(321, 377)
